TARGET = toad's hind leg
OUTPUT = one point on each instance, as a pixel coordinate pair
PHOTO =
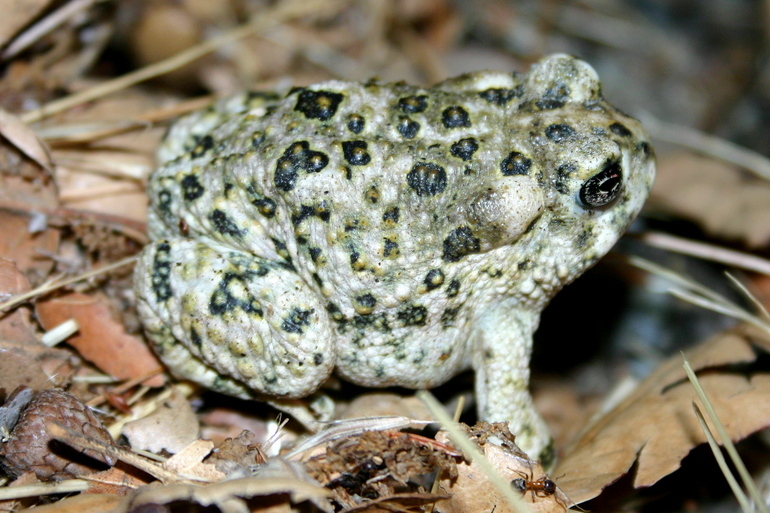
(233, 322)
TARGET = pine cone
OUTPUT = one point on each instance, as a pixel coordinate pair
(30, 447)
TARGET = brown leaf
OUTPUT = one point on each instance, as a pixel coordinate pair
(15, 326)
(18, 368)
(101, 339)
(724, 201)
(16, 15)
(473, 491)
(28, 250)
(172, 426)
(25, 140)
(84, 503)
(656, 423)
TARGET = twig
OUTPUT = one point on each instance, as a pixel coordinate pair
(283, 12)
(707, 252)
(44, 26)
(708, 145)
(700, 295)
(37, 489)
(46, 288)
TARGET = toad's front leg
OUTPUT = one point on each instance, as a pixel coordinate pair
(502, 346)
(233, 322)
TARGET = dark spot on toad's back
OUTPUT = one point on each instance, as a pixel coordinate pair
(390, 216)
(355, 152)
(560, 132)
(413, 315)
(296, 320)
(433, 279)
(455, 117)
(191, 188)
(515, 164)
(555, 97)
(205, 143)
(161, 272)
(224, 224)
(265, 206)
(464, 148)
(224, 301)
(356, 123)
(427, 179)
(460, 243)
(407, 127)
(318, 104)
(298, 156)
(390, 247)
(449, 316)
(413, 104)
(501, 96)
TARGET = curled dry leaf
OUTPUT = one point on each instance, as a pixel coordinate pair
(172, 426)
(719, 197)
(101, 340)
(656, 426)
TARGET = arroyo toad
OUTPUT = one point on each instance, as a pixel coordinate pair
(394, 233)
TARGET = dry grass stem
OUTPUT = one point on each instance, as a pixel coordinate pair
(748, 482)
(99, 399)
(45, 26)
(709, 145)
(707, 251)
(720, 458)
(472, 453)
(38, 489)
(702, 296)
(284, 12)
(51, 286)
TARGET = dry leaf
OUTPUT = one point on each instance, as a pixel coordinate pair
(16, 15)
(656, 424)
(172, 426)
(723, 200)
(15, 326)
(84, 503)
(101, 340)
(21, 136)
(220, 494)
(28, 250)
(473, 491)
(379, 404)
(189, 462)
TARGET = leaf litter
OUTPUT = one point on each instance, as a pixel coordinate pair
(71, 202)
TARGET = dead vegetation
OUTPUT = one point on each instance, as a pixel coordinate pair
(87, 89)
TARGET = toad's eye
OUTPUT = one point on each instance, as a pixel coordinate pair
(603, 187)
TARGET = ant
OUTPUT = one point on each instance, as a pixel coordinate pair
(542, 487)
